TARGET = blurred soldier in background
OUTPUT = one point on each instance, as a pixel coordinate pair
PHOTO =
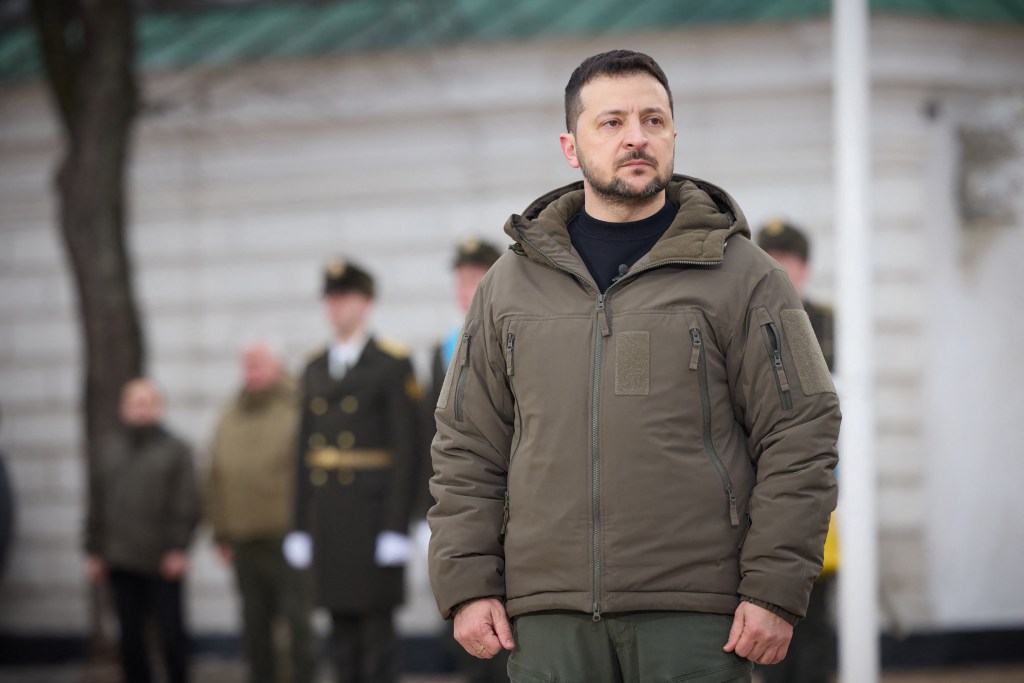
(473, 258)
(358, 458)
(143, 509)
(249, 506)
(789, 246)
(812, 652)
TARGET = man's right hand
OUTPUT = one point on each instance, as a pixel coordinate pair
(95, 568)
(482, 628)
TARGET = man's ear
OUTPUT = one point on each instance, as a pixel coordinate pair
(568, 141)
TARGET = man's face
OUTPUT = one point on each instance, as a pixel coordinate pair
(347, 311)
(467, 279)
(260, 368)
(797, 269)
(141, 404)
(625, 139)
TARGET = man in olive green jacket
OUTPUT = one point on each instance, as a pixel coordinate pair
(637, 434)
(249, 505)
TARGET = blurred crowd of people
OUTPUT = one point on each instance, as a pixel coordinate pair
(315, 494)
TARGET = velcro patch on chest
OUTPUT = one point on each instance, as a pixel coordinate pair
(633, 363)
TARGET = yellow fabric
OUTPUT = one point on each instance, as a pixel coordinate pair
(831, 564)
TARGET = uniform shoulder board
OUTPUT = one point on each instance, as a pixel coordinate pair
(315, 353)
(393, 348)
(823, 309)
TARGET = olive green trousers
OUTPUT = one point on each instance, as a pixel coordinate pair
(641, 647)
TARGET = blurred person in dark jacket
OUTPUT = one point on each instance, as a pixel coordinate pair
(812, 652)
(249, 502)
(143, 509)
(358, 459)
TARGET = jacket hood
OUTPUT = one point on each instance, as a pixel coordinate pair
(708, 217)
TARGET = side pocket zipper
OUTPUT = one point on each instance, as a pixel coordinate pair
(698, 363)
(772, 342)
(460, 387)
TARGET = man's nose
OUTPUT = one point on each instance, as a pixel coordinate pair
(635, 137)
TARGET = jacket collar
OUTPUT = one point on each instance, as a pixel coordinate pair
(707, 218)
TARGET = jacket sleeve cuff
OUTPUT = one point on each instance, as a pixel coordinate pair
(465, 603)
(791, 618)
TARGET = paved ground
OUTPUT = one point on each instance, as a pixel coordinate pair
(212, 670)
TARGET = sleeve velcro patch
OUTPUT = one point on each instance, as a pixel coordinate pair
(810, 364)
(442, 399)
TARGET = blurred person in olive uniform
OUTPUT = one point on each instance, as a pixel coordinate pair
(812, 652)
(358, 455)
(143, 509)
(249, 504)
(473, 258)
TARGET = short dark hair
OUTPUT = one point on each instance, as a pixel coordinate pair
(611, 63)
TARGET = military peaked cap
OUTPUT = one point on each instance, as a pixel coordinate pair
(342, 276)
(474, 252)
(781, 236)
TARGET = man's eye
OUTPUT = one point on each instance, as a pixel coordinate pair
(611, 124)
(656, 121)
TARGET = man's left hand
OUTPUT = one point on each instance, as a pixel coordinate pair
(759, 635)
(174, 565)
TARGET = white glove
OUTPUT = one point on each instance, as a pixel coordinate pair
(298, 549)
(422, 533)
(393, 549)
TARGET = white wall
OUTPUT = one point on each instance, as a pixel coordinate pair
(975, 512)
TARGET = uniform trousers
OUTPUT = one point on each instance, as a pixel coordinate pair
(636, 647)
(138, 597)
(364, 647)
(270, 590)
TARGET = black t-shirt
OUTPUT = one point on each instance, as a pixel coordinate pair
(609, 249)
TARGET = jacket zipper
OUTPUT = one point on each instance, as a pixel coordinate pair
(504, 520)
(463, 375)
(595, 453)
(601, 330)
(705, 405)
(770, 333)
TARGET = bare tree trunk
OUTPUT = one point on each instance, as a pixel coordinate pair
(88, 47)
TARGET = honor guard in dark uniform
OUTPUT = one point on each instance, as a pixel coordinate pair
(358, 453)
(812, 652)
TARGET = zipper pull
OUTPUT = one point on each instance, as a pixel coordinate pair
(695, 352)
(602, 319)
(464, 351)
(510, 342)
(734, 517)
(504, 520)
(780, 369)
(597, 612)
